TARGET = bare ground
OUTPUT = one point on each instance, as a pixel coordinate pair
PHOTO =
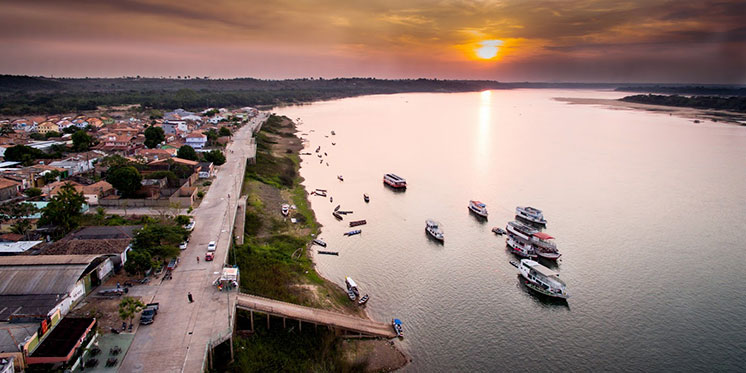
(382, 355)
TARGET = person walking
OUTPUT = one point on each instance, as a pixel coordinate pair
(189, 296)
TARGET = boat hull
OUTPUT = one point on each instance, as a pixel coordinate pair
(549, 256)
(522, 218)
(478, 212)
(520, 250)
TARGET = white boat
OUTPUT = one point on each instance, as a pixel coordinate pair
(285, 209)
(545, 246)
(519, 239)
(395, 181)
(542, 279)
(351, 286)
(530, 214)
(478, 208)
(433, 228)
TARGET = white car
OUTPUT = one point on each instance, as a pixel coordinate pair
(183, 245)
(190, 226)
(211, 246)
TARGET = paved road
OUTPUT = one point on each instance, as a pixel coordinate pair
(315, 315)
(177, 340)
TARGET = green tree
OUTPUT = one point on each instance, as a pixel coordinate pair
(182, 220)
(16, 212)
(138, 261)
(81, 141)
(71, 129)
(154, 136)
(23, 153)
(63, 210)
(187, 152)
(51, 134)
(129, 307)
(215, 156)
(6, 130)
(181, 170)
(127, 180)
(37, 136)
(160, 240)
(51, 176)
(212, 135)
(224, 131)
(32, 192)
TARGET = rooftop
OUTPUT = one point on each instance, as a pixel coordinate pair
(64, 337)
(27, 306)
(17, 247)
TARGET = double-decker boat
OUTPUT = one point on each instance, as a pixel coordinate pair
(478, 208)
(530, 214)
(542, 279)
(433, 229)
(519, 239)
(395, 181)
(545, 246)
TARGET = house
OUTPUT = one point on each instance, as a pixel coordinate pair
(170, 126)
(48, 126)
(96, 191)
(9, 189)
(216, 119)
(196, 140)
(205, 170)
(79, 164)
(95, 122)
(155, 154)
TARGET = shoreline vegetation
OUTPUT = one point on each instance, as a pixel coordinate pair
(27, 95)
(695, 114)
(275, 262)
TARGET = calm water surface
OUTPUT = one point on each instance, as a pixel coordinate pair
(649, 212)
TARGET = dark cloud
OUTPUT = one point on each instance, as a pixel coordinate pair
(377, 38)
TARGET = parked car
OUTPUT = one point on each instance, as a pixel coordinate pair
(183, 245)
(190, 226)
(211, 246)
(148, 313)
(172, 264)
(209, 256)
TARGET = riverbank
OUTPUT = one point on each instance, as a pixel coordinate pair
(276, 262)
(685, 112)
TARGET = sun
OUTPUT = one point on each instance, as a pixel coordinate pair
(488, 49)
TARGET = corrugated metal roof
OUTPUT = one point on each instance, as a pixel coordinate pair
(17, 247)
(34, 260)
(27, 305)
(39, 279)
(11, 335)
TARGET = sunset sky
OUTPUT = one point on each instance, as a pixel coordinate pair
(589, 40)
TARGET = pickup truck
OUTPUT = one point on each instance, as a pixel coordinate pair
(148, 313)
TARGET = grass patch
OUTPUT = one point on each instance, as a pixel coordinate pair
(279, 349)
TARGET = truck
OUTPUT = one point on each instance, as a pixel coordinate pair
(148, 313)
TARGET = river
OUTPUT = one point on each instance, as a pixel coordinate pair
(648, 211)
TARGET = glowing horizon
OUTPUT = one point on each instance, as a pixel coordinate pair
(595, 40)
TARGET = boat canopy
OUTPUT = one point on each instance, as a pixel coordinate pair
(350, 282)
(397, 321)
(543, 236)
(540, 268)
(478, 203)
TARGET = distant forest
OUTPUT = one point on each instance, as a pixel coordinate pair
(733, 103)
(26, 95)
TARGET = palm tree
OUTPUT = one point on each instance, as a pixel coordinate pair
(128, 307)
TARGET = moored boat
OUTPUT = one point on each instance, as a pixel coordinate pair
(519, 239)
(340, 178)
(433, 229)
(542, 279)
(355, 223)
(351, 286)
(544, 245)
(478, 208)
(363, 300)
(397, 325)
(351, 294)
(530, 214)
(352, 233)
(319, 242)
(395, 181)
(318, 149)
(328, 252)
(498, 231)
(337, 215)
(366, 198)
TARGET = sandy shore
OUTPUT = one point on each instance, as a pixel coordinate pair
(684, 112)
